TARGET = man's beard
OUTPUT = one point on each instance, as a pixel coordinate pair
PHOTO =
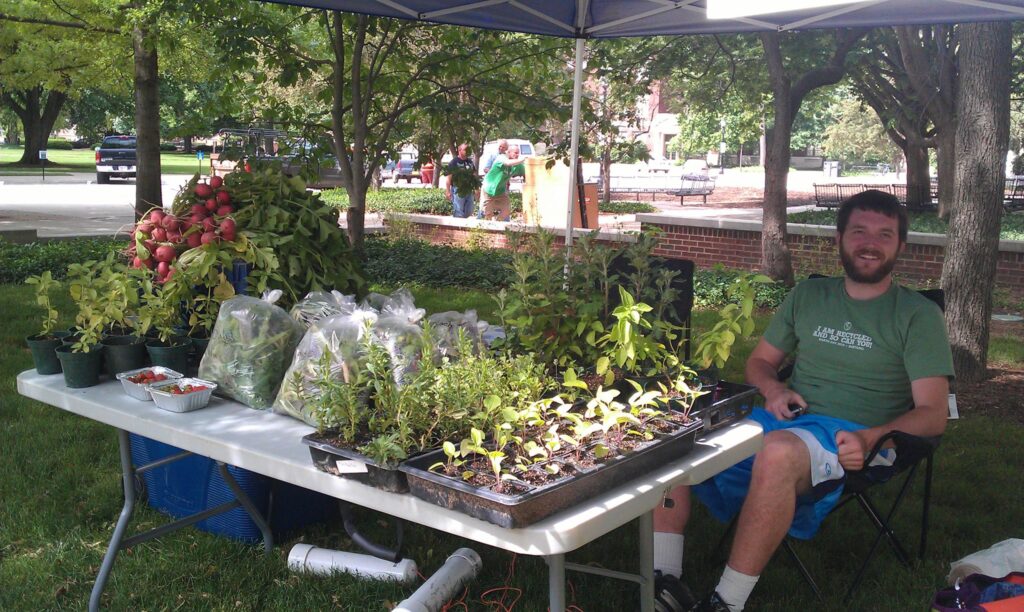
(884, 268)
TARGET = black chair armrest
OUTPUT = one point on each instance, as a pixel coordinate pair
(909, 448)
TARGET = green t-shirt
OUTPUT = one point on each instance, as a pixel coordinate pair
(496, 180)
(857, 358)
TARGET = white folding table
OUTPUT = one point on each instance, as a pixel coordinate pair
(270, 444)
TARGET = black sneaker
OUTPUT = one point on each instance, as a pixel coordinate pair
(712, 603)
(671, 595)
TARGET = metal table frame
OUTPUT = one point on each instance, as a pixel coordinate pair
(270, 444)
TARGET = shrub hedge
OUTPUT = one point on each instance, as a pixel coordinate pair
(926, 222)
(19, 261)
(61, 144)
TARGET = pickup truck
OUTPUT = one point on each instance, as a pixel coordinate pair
(115, 157)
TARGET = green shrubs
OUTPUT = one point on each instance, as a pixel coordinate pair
(412, 201)
(619, 207)
(395, 262)
(62, 144)
(711, 289)
(19, 261)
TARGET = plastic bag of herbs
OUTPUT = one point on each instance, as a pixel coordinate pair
(400, 304)
(250, 348)
(448, 326)
(333, 348)
(320, 305)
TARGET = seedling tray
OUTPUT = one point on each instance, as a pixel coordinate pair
(538, 502)
(345, 463)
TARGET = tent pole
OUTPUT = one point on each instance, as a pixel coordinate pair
(574, 143)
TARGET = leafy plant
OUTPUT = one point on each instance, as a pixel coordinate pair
(85, 288)
(465, 180)
(44, 284)
(736, 320)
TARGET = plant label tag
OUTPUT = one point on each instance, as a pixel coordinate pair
(954, 414)
(349, 466)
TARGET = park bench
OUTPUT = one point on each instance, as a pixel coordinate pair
(640, 183)
(831, 195)
(1013, 196)
(695, 185)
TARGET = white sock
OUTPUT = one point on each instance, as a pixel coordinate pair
(734, 588)
(668, 553)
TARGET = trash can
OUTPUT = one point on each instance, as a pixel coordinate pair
(427, 173)
(831, 169)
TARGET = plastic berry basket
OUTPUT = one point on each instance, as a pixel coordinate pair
(140, 391)
(185, 402)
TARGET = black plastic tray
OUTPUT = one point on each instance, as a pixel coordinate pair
(540, 502)
(326, 455)
(727, 403)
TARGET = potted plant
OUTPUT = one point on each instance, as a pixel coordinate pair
(735, 320)
(161, 311)
(81, 357)
(42, 345)
(124, 343)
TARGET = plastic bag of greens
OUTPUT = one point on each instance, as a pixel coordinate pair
(399, 304)
(333, 347)
(320, 305)
(403, 341)
(446, 327)
(250, 348)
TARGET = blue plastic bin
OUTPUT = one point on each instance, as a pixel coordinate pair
(194, 483)
(238, 276)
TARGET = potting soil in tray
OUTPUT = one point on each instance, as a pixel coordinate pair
(727, 403)
(348, 463)
(525, 504)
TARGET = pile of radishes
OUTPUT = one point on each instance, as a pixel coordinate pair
(160, 236)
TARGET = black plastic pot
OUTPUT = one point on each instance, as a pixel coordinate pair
(43, 355)
(536, 503)
(80, 369)
(326, 458)
(123, 353)
(199, 345)
(173, 355)
(724, 403)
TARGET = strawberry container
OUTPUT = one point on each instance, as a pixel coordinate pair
(184, 402)
(140, 391)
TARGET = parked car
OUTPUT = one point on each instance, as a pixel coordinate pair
(405, 169)
(695, 167)
(115, 157)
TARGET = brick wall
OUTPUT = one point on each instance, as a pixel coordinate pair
(489, 234)
(737, 244)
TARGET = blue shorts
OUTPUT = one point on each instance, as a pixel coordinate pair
(724, 493)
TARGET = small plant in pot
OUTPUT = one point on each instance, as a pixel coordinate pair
(82, 360)
(736, 320)
(125, 344)
(161, 310)
(43, 344)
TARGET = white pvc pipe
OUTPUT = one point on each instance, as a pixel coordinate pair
(461, 567)
(574, 142)
(324, 561)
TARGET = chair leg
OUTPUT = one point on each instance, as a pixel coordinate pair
(802, 568)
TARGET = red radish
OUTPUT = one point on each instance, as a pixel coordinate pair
(165, 253)
(137, 263)
(159, 234)
(163, 268)
(199, 209)
(227, 236)
(156, 215)
(170, 274)
(209, 224)
(216, 182)
(208, 237)
(194, 240)
(223, 198)
(224, 211)
(149, 244)
(145, 228)
(197, 219)
(203, 191)
(211, 204)
(173, 236)
(227, 225)
(170, 223)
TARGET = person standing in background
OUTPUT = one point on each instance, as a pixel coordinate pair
(495, 201)
(462, 204)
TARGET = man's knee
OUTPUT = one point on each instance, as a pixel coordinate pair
(783, 457)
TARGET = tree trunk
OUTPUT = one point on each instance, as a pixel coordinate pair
(946, 153)
(188, 143)
(37, 118)
(775, 258)
(982, 135)
(918, 177)
(606, 172)
(147, 124)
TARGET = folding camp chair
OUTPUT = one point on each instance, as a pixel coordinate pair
(911, 452)
(681, 308)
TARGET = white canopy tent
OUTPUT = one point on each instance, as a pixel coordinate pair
(583, 19)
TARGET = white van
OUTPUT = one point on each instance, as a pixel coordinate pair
(526, 149)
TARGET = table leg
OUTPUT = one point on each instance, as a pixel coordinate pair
(248, 506)
(556, 582)
(646, 565)
(128, 483)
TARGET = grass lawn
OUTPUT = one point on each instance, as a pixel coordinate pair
(60, 496)
(84, 160)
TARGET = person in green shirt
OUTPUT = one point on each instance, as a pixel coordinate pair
(871, 357)
(495, 201)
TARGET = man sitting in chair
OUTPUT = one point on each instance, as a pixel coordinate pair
(868, 350)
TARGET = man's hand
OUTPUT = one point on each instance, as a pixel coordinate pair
(852, 448)
(782, 403)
